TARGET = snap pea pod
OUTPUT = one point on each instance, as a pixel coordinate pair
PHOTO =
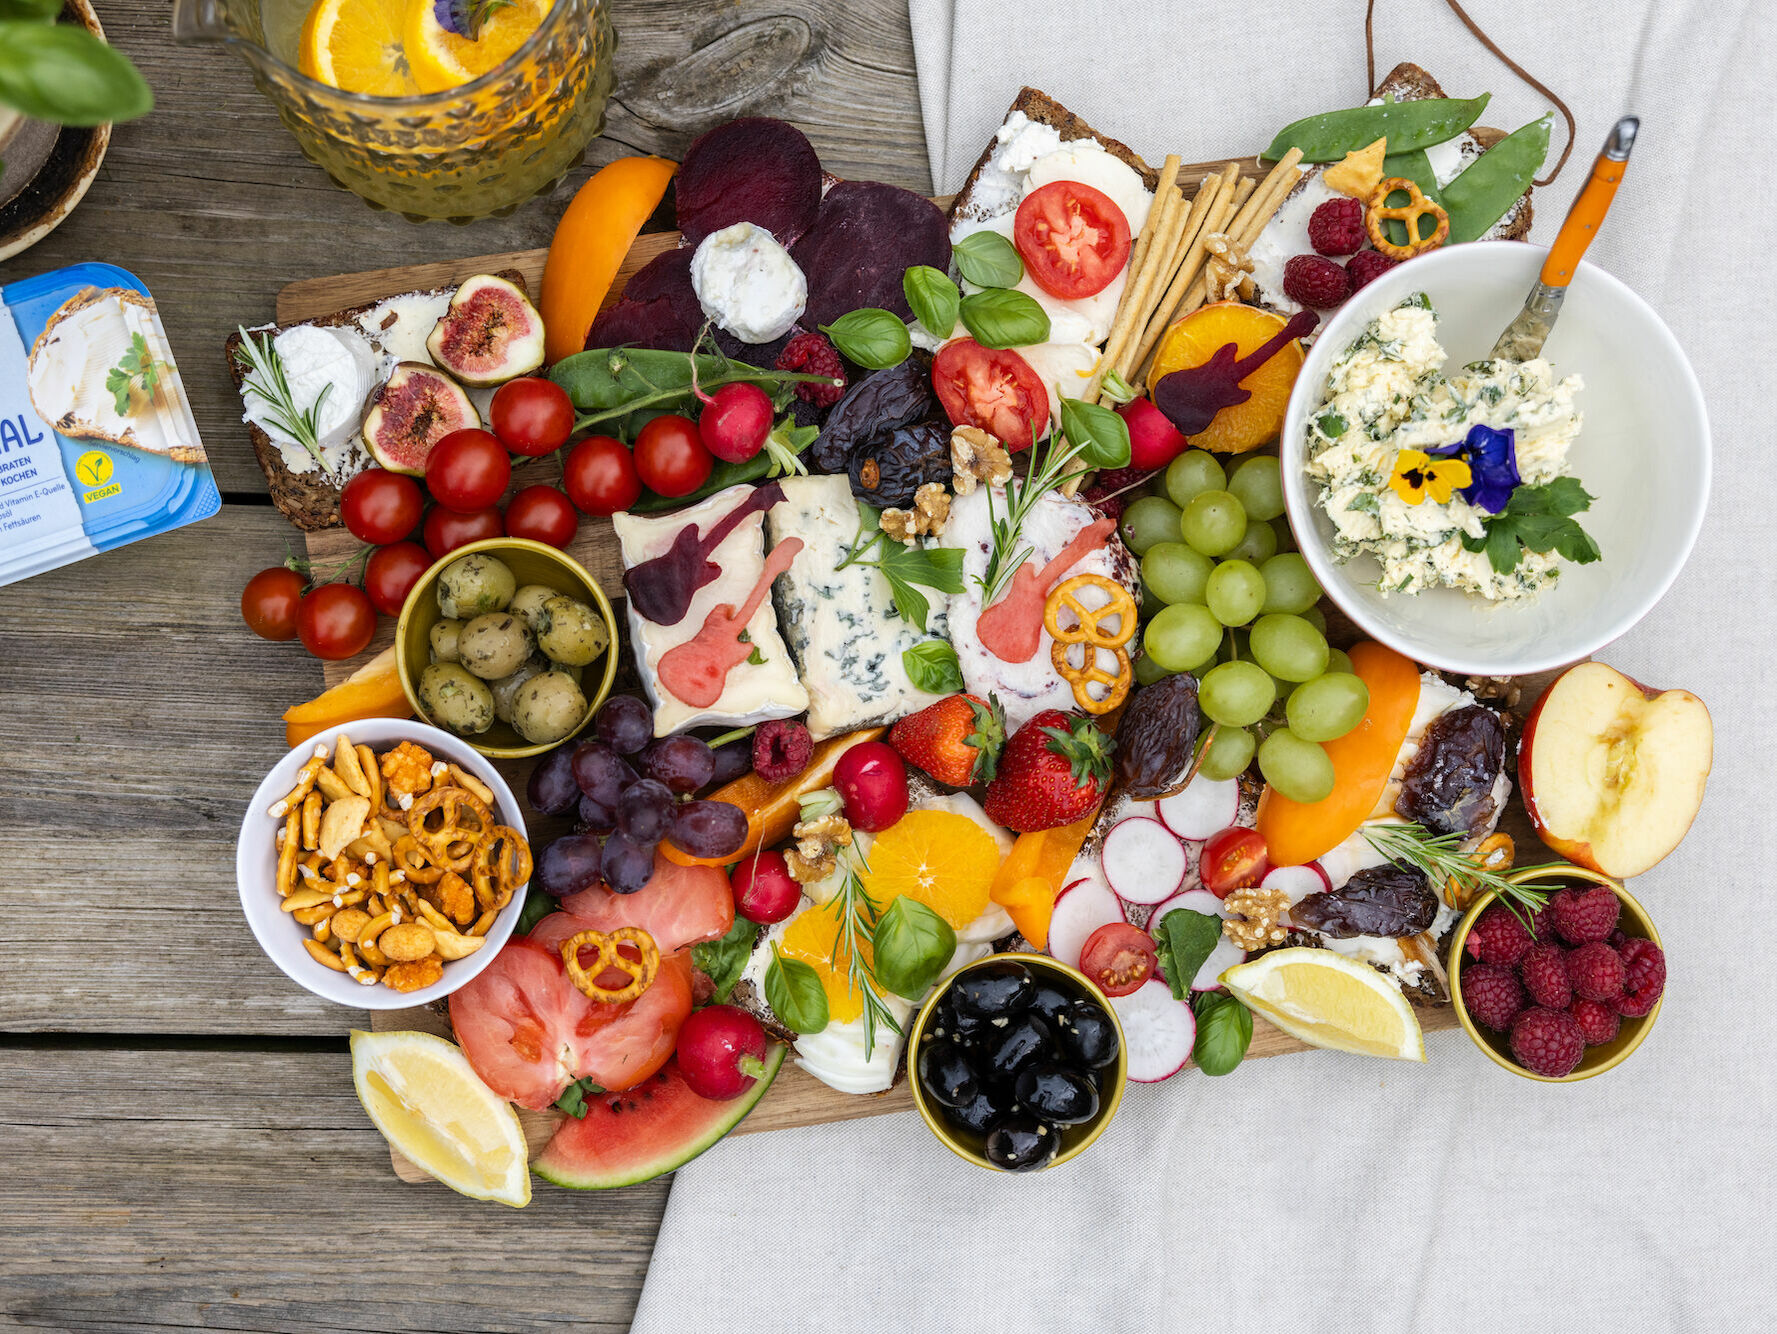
(617, 387)
(1415, 165)
(1406, 125)
(1493, 182)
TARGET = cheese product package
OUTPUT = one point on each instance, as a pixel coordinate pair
(98, 446)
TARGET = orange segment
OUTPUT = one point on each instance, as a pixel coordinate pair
(1030, 903)
(373, 691)
(355, 45)
(1194, 340)
(442, 60)
(1033, 874)
(813, 937)
(944, 860)
(590, 242)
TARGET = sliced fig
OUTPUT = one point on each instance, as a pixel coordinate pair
(416, 407)
(491, 333)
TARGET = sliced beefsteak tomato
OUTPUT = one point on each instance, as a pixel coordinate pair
(1073, 239)
(994, 389)
(679, 906)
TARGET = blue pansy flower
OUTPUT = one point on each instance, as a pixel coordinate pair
(1492, 457)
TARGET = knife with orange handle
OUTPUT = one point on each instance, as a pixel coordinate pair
(1524, 337)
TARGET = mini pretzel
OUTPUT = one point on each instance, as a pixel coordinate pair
(1083, 678)
(502, 866)
(639, 971)
(1416, 207)
(1088, 630)
(414, 862)
(451, 843)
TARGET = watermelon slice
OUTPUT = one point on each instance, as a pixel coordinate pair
(636, 1135)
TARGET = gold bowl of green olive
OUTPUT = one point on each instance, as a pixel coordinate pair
(509, 644)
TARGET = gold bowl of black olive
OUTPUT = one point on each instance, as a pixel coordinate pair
(1017, 1063)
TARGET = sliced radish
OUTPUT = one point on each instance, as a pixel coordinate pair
(1205, 807)
(1080, 909)
(1143, 861)
(1223, 957)
(1194, 900)
(1158, 1031)
(1296, 881)
(1326, 881)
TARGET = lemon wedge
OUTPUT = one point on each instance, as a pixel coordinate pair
(432, 1107)
(1329, 1001)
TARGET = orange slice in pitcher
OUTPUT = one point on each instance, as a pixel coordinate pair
(442, 60)
(355, 46)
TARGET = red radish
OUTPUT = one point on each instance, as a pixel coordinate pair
(1223, 957)
(872, 782)
(1154, 442)
(1205, 807)
(735, 422)
(1080, 909)
(1192, 900)
(1296, 881)
(763, 888)
(1158, 1031)
(1321, 871)
(1142, 860)
(721, 1051)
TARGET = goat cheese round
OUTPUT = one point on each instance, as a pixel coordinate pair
(331, 371)
(747, 283)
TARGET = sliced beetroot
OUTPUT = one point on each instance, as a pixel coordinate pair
(754, 170)
(864, 240)
(658, 308)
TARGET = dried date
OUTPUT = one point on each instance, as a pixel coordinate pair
(1385, 900)
(889, 466)
(1448, 787)
(1157, 736)
(878, 404)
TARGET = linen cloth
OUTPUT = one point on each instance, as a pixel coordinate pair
(1322, 1192)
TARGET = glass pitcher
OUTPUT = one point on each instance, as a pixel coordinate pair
(471, 152)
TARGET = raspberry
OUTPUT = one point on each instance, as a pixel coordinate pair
(1312, 281)
(813, 354)
(1547, 1042)
(1491, 995)
(1644, 969)
(1542, 924)
(1544, 971)
(1366, 266)
(1113, 489)
(1598, 1022)
(1585, 915)
(1596, 971)
(1498, 937)
(1337, 227)
(781, 750)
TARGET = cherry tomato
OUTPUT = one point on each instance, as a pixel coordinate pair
(532, 415)
(995, 390)
(380, 506)
(468, 470)
(1073, 239)
(336, 621)
(1233, 859)
(543, 514)
(872, 781)
(600, 476)
(390, 574)
(446, 530)
(671, 458)
(1119, 958)
(269, 601)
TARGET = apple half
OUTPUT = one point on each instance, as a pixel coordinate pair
(1613, 772)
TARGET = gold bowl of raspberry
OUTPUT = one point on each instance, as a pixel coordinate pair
(1565, 992)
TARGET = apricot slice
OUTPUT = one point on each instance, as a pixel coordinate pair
(1194, 339)
(593, 236)
(373, 691)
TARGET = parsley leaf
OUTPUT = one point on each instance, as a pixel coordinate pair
(138, 364)
(907, 569)
(1186, 939)
(573, 1097)
(1538, 518)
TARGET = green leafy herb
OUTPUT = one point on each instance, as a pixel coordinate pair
(138, 365)
(1185, 939)
(62, 74)
(1009, 550)
(1102, 435)
(1366, 502)
(265, 377)
(933, 298)
(1331, 425)
(793, 991)
(573, 1097)
(933, 668)
(616, 390)
(912, 945)
(537, 906)
(755, 658)
(1224, 1031)
(724, 960)
(940, 568)
(1537, 518)
(858, 916)
(1000, 317)
(1440, 859)
(871, 337)
(988, 259)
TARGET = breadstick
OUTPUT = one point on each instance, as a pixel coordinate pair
(1136, 294)
(1209, 190)
(1176, 301)
(1266, 198)
(1138, 252)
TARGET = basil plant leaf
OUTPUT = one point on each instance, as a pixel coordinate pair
(988, 259)
(933, 298)
(1000, 318)
(1224, 1032)
(724, 960)
(872, 337)
(911, 946)
(1102, 435)
(31, 11)
(793, 991)
(933, 668)
(66, 76)
(1185, 939)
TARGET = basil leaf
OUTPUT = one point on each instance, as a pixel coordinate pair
(933, 668)
(1102, 435)
(38, 11)
(724, 960)
(1001, 318)
(988, 259)
(871, 337)
(794, 993)
(912, 944)
(573, 1097)
(1224, 1031)
(66, 76)
(537, 906)
(1185, 939)
(933, 297)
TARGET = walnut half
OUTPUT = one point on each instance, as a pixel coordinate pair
(975, 456)
(930, 512)
(1252, 922)
(816, 854)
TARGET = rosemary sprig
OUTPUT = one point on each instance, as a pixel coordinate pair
(1008, 551)
(1439, 857)
(857, 915)
(265, 377)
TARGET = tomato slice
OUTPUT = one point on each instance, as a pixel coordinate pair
(994, 389)
(1119, 958)
(1234, 859)
(1073, 239)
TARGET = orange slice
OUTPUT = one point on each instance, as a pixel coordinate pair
(813, 937)
(1195, 339)
(373, 691)
(590, 242)
(944, 860)
(355, 46)
(442, 60)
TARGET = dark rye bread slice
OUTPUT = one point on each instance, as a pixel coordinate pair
(1038, 106)
(309, 500)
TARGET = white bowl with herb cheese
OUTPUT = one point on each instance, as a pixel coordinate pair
(1487, 517)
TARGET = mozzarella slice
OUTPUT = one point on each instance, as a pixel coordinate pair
(1084, 319)
(1065, 369)
(1089, 164)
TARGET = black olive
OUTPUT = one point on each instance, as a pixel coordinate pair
(948, 1022)
(1012, 1044)
(978, 1114)
(945, 1073)
(1086, 1036)
(1060, 1096)
(1022, 1144)
(1050, 1000)
(993, 990)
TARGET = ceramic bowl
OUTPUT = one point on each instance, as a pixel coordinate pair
(1607, 1056)
(531, 563)
(1075, 1140)
(256, 868)
(1643, 452)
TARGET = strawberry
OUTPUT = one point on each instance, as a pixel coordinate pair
(1053, 771)
(957, 740)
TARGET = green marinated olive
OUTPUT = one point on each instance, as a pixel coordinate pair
(548, 707)
(443, 637)
(570, 632)
(494, 645)
(506, 688)
(475, 585)
(457, 700)
(527, 603)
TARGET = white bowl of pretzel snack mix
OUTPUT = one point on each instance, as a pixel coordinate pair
(382, 864)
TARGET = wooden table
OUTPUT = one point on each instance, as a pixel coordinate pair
(182, 1146)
